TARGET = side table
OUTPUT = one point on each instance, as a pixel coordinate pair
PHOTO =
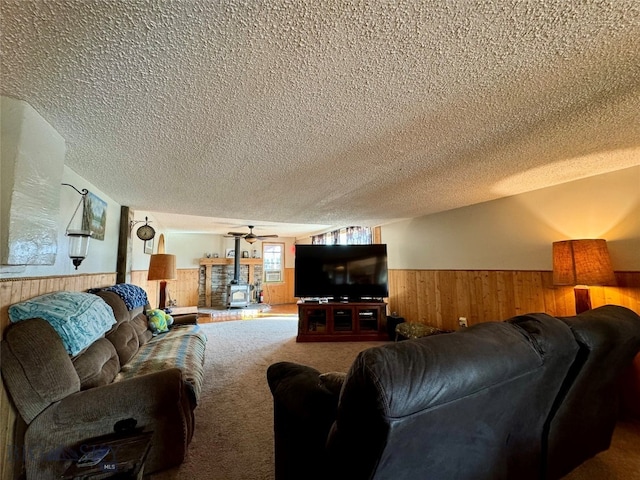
(182, 310)
(183, 315)
(392, 322)
(125, 460)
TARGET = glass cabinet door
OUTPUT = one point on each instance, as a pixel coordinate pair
(343, 319)
(368, 319)
(316, 320)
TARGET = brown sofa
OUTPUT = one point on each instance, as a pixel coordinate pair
(126, 374)
(529, 398)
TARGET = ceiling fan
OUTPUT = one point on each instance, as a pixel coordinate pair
(249, 237)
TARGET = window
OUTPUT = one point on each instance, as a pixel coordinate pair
(345, 236)
(273, 258)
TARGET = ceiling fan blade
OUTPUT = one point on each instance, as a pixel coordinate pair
(249, 235)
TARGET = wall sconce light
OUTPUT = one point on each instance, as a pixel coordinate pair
(78, 237)
(582, 263)
(162, 266)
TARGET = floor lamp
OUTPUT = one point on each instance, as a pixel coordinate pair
(582, 263)
(162, 266)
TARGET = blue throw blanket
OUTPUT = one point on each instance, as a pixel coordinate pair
(132, 295)
(79, 318)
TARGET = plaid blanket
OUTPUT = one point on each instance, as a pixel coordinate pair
(182, 347)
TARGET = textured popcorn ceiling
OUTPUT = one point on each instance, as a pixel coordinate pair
(333, 112)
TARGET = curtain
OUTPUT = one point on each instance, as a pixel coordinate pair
(345, 236)
(359, 236)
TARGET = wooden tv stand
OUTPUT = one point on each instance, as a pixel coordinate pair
(342, 321)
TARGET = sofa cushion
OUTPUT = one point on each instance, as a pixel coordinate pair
(135, 316)
(125, 341)
(36, 367)
(304, 409)
(333, 381)
(120, 311)
(79, 318)
(183, 347)
(98, 365)
(141, 326)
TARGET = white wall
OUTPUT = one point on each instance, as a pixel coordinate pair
(189, 248)
(516, 233)
(102, 255)
(33, 169)
(33, 155)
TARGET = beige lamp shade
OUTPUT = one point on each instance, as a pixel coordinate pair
(162, 266)
(582, 262)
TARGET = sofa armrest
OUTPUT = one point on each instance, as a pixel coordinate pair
(156, 401)
(140, 396)
(304, 410)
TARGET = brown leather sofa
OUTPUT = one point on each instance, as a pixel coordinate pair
(487, 402)
(587, 408)
(127, 374)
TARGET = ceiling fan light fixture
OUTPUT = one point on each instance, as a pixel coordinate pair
(250, 237)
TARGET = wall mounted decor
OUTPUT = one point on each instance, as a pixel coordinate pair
(145, 232)
(94, 218)
(148, 246)
(78, 237)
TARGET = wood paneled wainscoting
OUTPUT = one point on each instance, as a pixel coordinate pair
(281, 292)
(184, 289)
(440, 297)
(14, 290)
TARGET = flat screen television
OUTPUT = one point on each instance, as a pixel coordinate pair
(340, 272)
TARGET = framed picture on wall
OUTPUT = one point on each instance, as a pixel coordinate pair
(95, 216)
(148, 247)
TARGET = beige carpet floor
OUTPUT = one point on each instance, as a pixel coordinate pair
(234, 421)
(620, 462)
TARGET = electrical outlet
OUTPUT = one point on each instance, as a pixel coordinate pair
(462, 321)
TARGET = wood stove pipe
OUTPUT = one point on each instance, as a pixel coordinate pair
(236, 262)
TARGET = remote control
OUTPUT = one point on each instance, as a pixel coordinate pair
(93, 457)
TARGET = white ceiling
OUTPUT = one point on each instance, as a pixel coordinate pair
(330, 113)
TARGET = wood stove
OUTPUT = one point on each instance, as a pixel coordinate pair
(238, 294)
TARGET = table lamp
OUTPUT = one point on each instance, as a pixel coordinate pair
(162, 266)
(582, 263)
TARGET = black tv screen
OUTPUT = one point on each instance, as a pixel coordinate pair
(341, 271)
